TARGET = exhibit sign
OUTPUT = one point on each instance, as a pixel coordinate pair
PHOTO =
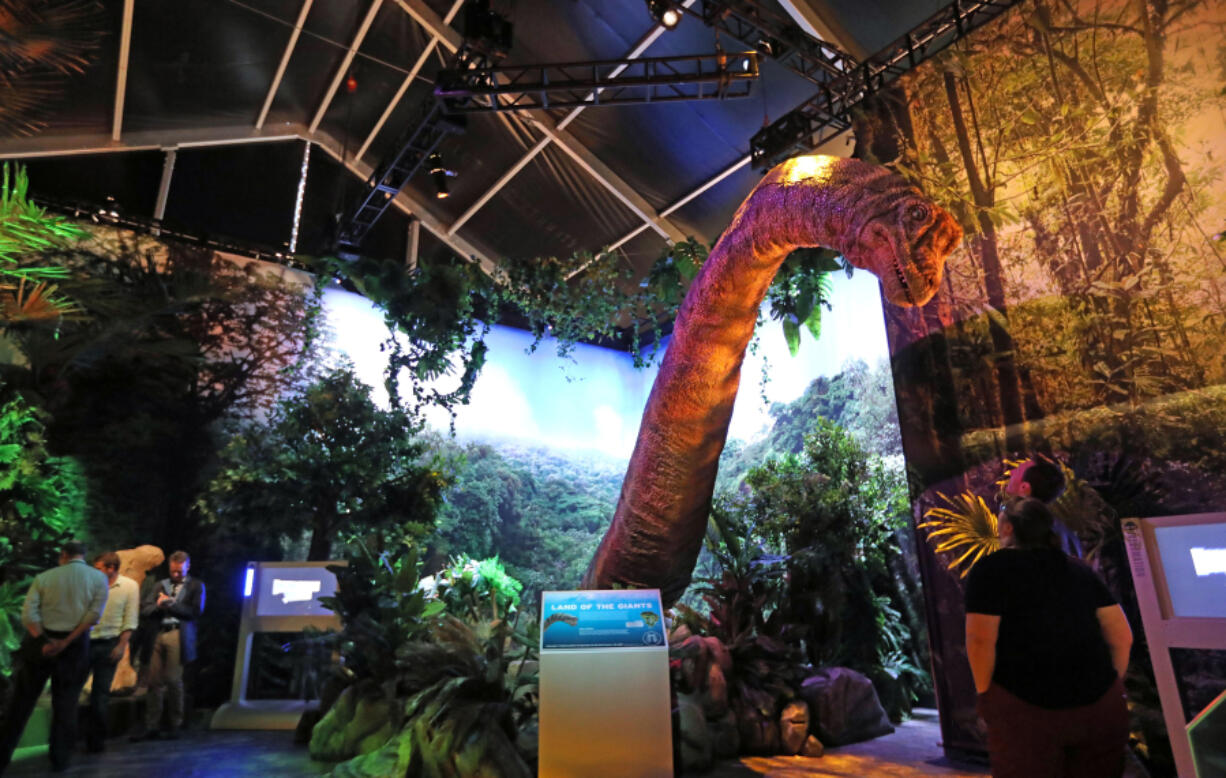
(604, 704)
(621, 618)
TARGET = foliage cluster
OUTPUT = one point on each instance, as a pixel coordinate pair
(447, 652)
(832, 518)
(328, 460)
(42, 504)
(860, 399)
(440, 311)
(541, 512)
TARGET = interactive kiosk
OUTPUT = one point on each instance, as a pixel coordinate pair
(1179, 571)
(277, 597)
(604, 686)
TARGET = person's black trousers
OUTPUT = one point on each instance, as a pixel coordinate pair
(103, 669)
(67, 671)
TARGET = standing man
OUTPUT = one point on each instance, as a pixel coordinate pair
(175, 604)
(1042, 479)
(61, 606)
(108, 642)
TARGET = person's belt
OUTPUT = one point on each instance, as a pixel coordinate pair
(96, 639)
(56, 633)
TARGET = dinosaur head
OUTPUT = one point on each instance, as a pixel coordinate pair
(877, 219)
(904, 243)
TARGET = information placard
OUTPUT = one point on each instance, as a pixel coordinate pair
(602, 619)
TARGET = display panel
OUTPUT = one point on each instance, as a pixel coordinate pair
(294, 591)
(1193, 561)
(602, 619)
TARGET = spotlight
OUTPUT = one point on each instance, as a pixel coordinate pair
(664, 12)
(440, 174)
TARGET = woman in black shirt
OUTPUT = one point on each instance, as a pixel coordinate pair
(1048, 646)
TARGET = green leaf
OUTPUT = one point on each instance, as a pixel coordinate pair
(791, 331)
(814, 322)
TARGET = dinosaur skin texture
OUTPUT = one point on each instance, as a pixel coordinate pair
(877, 221)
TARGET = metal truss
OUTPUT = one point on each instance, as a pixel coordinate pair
(775, 35)
(415, 145)
(828, 113)
(718, 76)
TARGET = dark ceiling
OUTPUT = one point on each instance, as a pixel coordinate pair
(200, 71)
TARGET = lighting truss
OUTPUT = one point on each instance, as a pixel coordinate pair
(722, 76)
(776, 36)
(828, 112)
(414, 146)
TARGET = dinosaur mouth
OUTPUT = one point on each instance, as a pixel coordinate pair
(902, 281)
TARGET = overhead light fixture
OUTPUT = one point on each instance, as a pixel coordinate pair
(440, 174)
(665, 13)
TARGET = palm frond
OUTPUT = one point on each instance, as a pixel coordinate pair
(967, 526)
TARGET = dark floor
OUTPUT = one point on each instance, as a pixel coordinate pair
(913, 750)
(198, 754)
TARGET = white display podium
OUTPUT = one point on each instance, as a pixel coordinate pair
(1179, 571)
(605, 707)
(277, 597)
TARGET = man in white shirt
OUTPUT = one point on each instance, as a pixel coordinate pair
(61, 606)
(108, 642)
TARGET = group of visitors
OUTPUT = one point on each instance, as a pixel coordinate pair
(81, 620)
(1047, 642)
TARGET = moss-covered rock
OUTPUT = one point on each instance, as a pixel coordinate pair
(391, 760)
(359, 722)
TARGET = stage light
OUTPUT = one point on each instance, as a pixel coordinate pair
(440, 174)
(664, 12)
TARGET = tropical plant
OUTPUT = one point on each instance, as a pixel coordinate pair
(330, 461)
(27, 292)
(966, 527)
(42, 44)
(467, 585)
(42, 504)
(834, 514)
(447, 650)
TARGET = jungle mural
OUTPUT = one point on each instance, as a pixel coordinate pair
(1078, 145)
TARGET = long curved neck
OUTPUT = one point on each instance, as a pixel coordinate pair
(661, 516)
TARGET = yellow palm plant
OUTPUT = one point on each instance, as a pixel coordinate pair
(967, 528)
(1079, 507)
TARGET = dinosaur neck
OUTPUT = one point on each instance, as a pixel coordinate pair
(662, 513)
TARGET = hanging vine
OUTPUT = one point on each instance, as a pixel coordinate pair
(441, 311)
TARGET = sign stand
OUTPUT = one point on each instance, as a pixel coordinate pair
(1176, 596)
(605, 706)
(277, 597)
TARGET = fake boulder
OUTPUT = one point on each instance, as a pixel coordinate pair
(358, 723)
(843, 707)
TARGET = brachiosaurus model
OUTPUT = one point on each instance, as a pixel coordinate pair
(876, 220)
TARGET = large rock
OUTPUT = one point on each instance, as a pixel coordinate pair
(812, 747)
(843, 707)
(759, 732)
(358, 723)
(695, 737)
(725, 738)
(391, 760)
(715, 693)
(793, 727)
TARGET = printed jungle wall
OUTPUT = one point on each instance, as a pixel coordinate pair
(547, 440)
(1080, 145)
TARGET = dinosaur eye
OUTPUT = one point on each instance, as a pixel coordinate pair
(917, 213)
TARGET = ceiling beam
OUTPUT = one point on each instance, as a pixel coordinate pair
(817, 19)
(635, 52)
(289, 51)
(417, 66)
(603, 174)
(99, 143)
(121, 78)
(371, 13)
